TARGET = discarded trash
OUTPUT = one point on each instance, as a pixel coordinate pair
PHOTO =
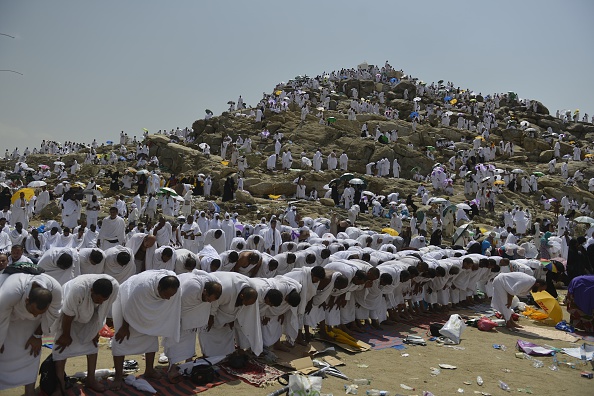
(506, 370)
(525, 390)
(377, 392)
(434, 371)
(447, 366)
(406, 387)
(361, 381)
(498, 346)
(351, 389)
(362, 365)
(587, 374)
(456, 347)
(467, 383)
(405, 355)
(460, 390)
(520, 355)
(504, 386)
(415, 340)
(479, 381)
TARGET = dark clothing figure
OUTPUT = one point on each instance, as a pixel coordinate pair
(409, 202)
(141, 185)
(228, 189)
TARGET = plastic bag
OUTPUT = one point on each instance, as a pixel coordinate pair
(485, 324)
(453, 328)
(106, 332)
(304, 385)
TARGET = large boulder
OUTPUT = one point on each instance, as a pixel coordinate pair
(51, 211)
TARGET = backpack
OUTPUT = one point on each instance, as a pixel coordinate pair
(48, 380)
(202, 374)
(23, 268)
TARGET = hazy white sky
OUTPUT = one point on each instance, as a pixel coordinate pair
(92, 69)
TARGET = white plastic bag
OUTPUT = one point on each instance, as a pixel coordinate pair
(453, 328)
(304, 385)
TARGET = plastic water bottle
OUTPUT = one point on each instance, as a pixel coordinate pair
(583, 354)
(361, 381)
(504, 386)
(377, 392)
(351, 389)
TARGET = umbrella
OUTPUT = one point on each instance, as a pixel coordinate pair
(390, 231)
(420, 215)
(357, 181)
(449, 113)
(530, 130)
(451, 208)
(447, 99)
(524, 123)
(499, 182)
(59, 163)
(142, 172)
(453, 101)
(37, 183)
(517, 171)
(203, 146)
(230, 102)
(109, 142)
(430, 148)
(584, 219)
(331, 120)
(538, 174)
(272, 196)
(164, 190)
(347, 176)
(177, 198)
(414, 114)
(459, 232)
(29, 193)
(549, 304)
(498, 171)
(463, 206)
(320, 108)
(225, 163)
(144, 129)
(437, 200)
(368, 193)
(417, 99)
(208, 111)
(43, 166)
(131, 170)
(472, 100)
(484, 179)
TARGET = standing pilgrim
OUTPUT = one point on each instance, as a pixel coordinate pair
(87, 300)
(30, 305)
(148, 305)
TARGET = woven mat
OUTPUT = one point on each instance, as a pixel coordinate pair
(163, 387)
(389, 337)
(254, 373)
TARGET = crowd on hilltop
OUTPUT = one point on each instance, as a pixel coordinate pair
(168, 262)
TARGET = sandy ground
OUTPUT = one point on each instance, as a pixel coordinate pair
(387, 368)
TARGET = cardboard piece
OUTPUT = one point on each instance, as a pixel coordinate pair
(349, 348)
(299, 357)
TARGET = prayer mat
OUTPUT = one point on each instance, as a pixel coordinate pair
(380, 339)
(543, 332)
(254, 373)
(164, 388)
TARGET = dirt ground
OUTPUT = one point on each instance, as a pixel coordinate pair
(388, 368)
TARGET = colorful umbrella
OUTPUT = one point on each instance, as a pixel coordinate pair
(29, 193)
(165, 190)
(390, 231)
(549, 304)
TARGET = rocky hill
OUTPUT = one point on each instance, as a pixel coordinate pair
(532, 150)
